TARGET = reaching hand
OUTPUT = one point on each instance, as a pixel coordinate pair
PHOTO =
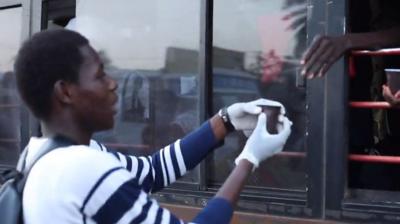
(297, 18)
(394, 101)
(322, 54)
(243, 115)
(262, 145)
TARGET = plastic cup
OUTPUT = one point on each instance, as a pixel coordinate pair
(393, 79)
(272, 113)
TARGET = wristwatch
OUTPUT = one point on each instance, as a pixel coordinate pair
(223, 113)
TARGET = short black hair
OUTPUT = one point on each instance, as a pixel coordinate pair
(45, 58)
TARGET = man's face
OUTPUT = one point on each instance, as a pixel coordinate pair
(95, 97)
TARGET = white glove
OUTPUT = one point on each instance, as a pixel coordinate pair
(243, 115)
(262, 145)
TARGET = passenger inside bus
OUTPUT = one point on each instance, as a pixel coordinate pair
(377, 133)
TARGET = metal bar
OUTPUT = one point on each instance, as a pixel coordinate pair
(315, 91)
(336, 118)
(292, 154)
(32, 14)
(381, 52)
(9, 3)
(205, 78)
(9, 7)
(351, 157)
(375, 159)
(370, 104)
(373, 209)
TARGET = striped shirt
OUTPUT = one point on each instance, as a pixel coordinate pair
(90, 184)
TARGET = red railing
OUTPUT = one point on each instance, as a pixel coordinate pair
(374, 105)
(372, 158)
(382, 52)
(370, 104)
(300, 155)
(375, 159)
(352, 157)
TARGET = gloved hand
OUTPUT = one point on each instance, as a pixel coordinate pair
(243, 115)
(262, 145)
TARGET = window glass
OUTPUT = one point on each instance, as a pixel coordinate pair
(257, 47)
(151, 49)
(10, 26)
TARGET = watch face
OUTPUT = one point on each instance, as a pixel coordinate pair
(224, 115)
(220, 113)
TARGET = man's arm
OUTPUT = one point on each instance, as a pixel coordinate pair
(130, 203)
(324, 51)
(378, 39)
(220, 208)
(173, 161)
(115, 196)
(235, 182)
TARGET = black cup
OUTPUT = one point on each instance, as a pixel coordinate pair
(393, 79)
(272, 113)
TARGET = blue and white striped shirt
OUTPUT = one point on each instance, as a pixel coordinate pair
(89, 184)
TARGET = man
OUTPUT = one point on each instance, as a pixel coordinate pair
(61, 79)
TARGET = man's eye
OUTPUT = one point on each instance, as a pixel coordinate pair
(101, 75)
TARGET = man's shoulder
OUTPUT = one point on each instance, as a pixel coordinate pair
(66, 176)
(79, 159)
(80, 153)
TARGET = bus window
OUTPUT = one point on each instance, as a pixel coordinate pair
(255, 62)
(373, 132)
(10, 24)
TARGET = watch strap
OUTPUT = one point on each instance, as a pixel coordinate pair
(223, 113)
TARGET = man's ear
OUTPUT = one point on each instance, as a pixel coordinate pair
(63, 91)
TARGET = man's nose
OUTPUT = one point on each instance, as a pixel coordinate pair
(113, 85)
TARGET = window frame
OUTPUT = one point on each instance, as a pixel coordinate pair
(10, 4)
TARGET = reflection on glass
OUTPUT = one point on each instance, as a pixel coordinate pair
(257, 47)
(10, 26)
(151, 49)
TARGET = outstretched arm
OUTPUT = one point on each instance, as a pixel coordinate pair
(173, 161)
(324, 51)
(131, 204)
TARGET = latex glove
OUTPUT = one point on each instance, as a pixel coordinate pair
(262, 145)
(243, 116)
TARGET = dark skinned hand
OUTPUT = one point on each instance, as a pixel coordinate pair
(323, 52)
(297, 18)
(393, 100)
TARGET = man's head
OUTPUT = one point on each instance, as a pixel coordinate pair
(58, 71)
